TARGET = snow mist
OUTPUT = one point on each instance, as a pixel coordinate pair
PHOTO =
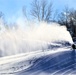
(32, 37)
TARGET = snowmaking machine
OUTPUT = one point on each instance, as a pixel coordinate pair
(74, 44)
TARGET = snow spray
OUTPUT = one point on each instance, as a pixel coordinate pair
(31, 37)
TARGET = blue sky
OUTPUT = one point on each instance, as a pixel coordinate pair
(13, 8)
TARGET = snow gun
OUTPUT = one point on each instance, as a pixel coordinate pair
(74, 46)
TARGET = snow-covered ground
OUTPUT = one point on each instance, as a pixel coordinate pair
(41, 50)
(17, 63)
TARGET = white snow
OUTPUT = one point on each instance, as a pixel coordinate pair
(32, 39)
(19, 48)
(16, 63)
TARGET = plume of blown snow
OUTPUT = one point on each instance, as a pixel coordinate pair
(31, 37)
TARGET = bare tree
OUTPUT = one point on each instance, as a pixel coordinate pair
(68, 18)
(2, 21)
(63, 17)
(1, 14)
(73, 22)
(41, 10)
(24, 10)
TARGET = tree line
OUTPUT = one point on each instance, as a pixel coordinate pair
(42, 10)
